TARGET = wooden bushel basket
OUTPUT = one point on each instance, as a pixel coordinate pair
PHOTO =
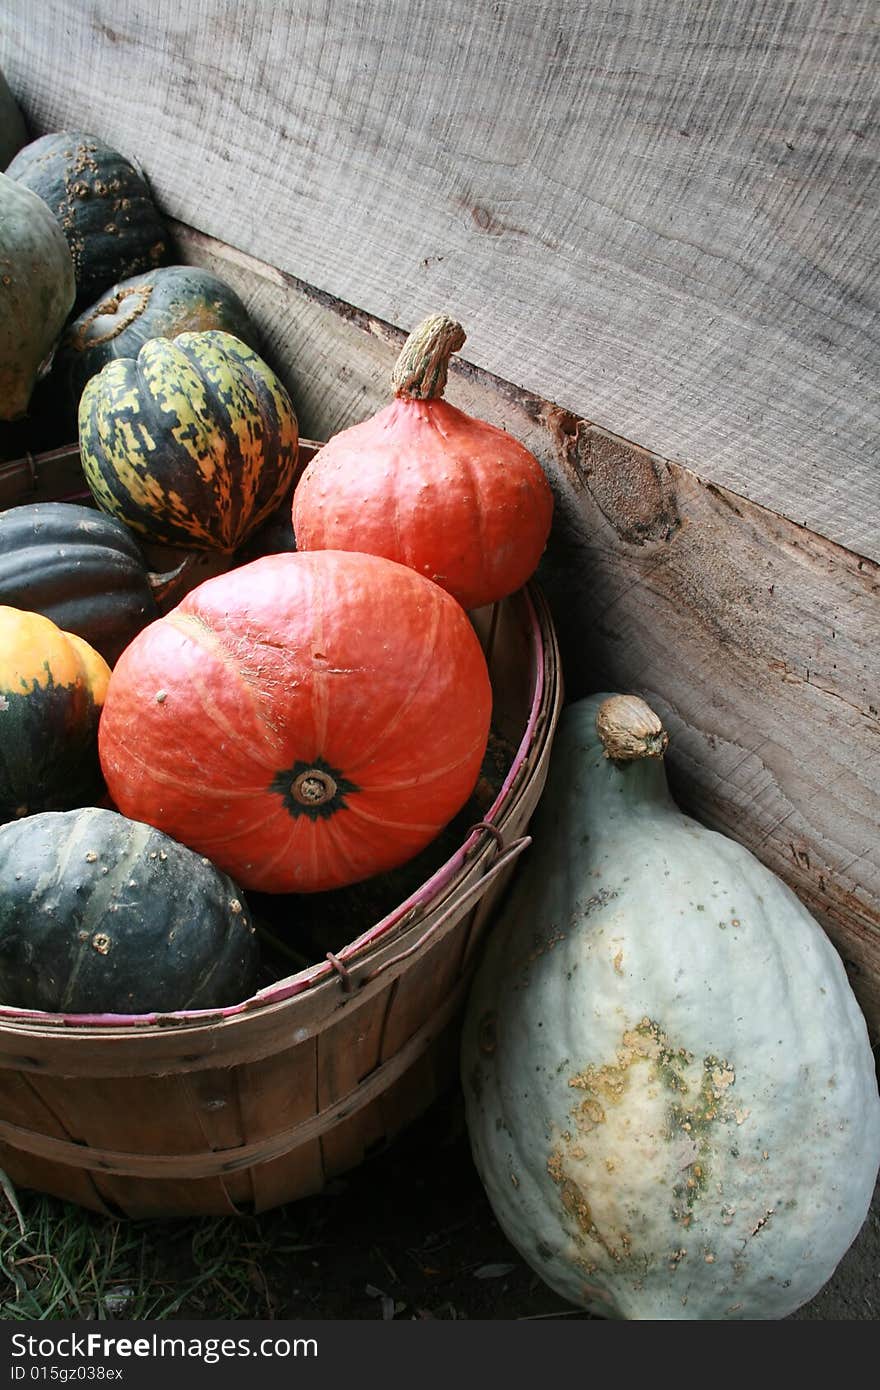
(247, 1107)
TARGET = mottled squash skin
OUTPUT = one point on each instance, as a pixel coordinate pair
(161, 303)
(102, 204)
(100, 914)
(670, 1092)
(193, 443)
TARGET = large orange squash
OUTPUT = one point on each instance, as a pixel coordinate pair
(304, 721)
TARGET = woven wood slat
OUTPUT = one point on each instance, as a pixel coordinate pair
(22, 1104)
(280, 1092)
(215, 1164)
(348, 1052)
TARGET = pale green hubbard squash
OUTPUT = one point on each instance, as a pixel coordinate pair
(670, 1092)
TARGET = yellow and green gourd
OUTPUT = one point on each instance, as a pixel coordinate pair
(671, 1096)
(52, 689)
(193, 443)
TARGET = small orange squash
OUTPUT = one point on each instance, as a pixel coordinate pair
(425, 484)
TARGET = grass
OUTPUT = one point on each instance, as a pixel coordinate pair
(406, 1234)
(59, 1261)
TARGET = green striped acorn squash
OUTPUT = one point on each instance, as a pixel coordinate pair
(52, 690)
(36, 293)
(193, 443)
(12, 128)
(100, 914)
(102, 204)
(670, 1092)
(161, 303)
(79, 567)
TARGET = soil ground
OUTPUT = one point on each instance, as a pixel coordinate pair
(407, 1235)
(410, 1234)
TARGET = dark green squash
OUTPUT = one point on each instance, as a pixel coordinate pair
(102, 203)
(161, 303)
(192, 444)
(79, 567)
(100, 914)
(52, 689)
(36, 293)
(12, 128)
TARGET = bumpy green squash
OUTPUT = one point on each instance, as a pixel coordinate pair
(100, 914)
(670, 1093)
(12, 128)
(36, 292)
(193, 443)
(52, 690)
(79, 567)
(103, 206)
(162, 303)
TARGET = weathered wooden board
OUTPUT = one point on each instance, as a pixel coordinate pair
(757, 641)
(662, 215)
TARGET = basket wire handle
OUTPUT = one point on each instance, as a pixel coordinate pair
(490, 829)
(342, 971)
(474, 890)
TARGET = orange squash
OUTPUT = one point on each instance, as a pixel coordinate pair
(304, 721)
(423, 483)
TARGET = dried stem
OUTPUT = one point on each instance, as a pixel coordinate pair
(421, 369)
(630, 729)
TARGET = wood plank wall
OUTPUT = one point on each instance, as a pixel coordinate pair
(661, 215)
(657, 225)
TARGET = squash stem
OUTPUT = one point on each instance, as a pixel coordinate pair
(109, 318)
(421, 369)
(629, 729)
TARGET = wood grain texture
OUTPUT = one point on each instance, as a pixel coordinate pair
(662, 215)
(21, 1103)
(757, 641)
